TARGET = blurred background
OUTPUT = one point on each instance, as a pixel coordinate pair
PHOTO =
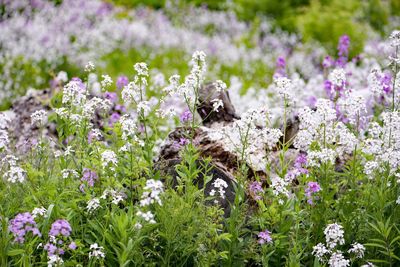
(243, 39)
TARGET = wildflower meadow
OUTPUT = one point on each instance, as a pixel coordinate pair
(200, 133)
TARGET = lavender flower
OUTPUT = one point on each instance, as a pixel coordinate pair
(114, 118)
(328, 62)
(312, 187)
(112, 96)
(21, 225)
(186, 116)
(343, 50)
(89, 177)
(60, 227)
(280, 70)
(256, 189)
(264, 237)
(122, 81)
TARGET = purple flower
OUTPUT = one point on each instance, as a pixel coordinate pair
(343, 46)
(312, 188)
(72, 246)
(183, 141)
(255, 189)
(312, 101)
(186, 116)
(60, 227)
(50, 248)
(280, 70)
(386, 81)
(113, 97)
(113, 118)
(21, 225)
(343, 50)
(89, 177)
(120, 108)
(328, 86)
(79, 83)
(301, 161)
(122, 81)
(264, 237)
(328, 62)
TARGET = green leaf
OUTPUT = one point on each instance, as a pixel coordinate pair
(15, 252)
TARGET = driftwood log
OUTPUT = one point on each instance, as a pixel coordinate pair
(224, 164)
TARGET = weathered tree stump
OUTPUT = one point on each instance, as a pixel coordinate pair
(224, 163)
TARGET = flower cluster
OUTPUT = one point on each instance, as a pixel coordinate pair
(21, 225)
(151, 193)
(96, 251)
(334, 236)
(219, 187)
(256, 190)
(89, 177)
(59, 240)
(264, 237)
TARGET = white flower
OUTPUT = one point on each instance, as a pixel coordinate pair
(39, 212)
(279, 187)
(39, 118)
(62, 112)
(217, 104)
(95, 104)
(54, 260)
(4, 141)
(284, 88)
(338, 77)
(395, 38)
(358, 249)
(144, 106)
(220, 86)
(147, 216)
(62, 76)
(319, 251)
(370, 167)
(89, 66)
(130, 93)
(334, 235)
(67, 173)
(326, 155)
(108, 158)
(128, 126)
(141, 69)
(152, 192)
(107, 81)
(96, 251)
(74, 93)
(116, 196)
(68, 151)
(96, 134)
(93, 205)
(337, 260)
(220, 185)
(270, 137)
(15, 174)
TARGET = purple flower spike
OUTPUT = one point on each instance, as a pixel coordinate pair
(312, 188)
(186, 116)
